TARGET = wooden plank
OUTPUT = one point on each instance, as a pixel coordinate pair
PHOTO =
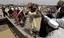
(19, 28)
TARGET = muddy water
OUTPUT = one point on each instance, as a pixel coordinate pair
(5, 32)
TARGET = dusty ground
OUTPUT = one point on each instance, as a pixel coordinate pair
(5, 32)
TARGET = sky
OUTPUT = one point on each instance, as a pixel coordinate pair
(41, 2)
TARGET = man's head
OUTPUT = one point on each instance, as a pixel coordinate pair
(32, 7)
(60, 3)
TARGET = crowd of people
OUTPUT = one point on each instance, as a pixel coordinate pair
(25, 15)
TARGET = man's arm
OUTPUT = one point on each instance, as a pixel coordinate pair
(51, 22)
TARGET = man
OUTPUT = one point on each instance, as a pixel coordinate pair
(3, 9)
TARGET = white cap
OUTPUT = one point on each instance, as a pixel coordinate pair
(16, 8)
(19, 8)
(7, 9)
(12, 8)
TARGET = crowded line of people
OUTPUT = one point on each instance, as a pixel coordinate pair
(28, 17)
(16, 13)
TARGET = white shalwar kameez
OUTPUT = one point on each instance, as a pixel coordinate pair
(58, 33)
